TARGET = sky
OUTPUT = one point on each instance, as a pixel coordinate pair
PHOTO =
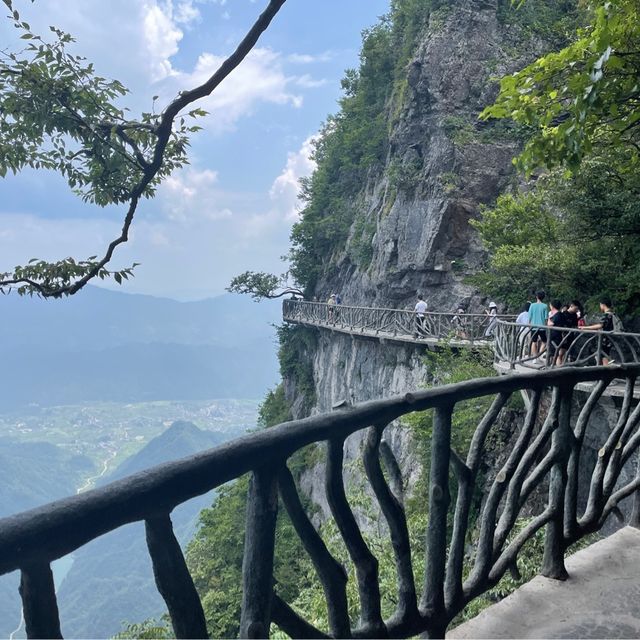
(232, 208)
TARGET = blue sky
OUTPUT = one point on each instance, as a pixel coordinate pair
(233, 207)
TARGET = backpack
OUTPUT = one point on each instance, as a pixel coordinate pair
(618, 327)
(613, 323)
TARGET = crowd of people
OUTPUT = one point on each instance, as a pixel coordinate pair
(546, 340)
(565, 316)
(543, 336)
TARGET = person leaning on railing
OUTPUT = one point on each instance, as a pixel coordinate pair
(538, 316)
(607, 323)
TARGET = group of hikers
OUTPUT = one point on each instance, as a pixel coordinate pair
(543, 336)
(568, 316)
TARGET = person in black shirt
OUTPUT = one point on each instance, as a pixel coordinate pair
(605, 324)
(556, 319)
(569, 320)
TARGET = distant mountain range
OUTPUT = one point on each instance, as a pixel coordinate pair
(104, 345)
(111, 579)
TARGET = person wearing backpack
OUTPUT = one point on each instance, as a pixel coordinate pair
(609, 322)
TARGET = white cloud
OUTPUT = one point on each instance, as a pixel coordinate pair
(260, 78)
(308, 58)
(161, 37)
(307, 82)
(150, 34)
(190, 194)
(285, 189)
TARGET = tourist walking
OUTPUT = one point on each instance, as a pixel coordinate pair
(420, 311)
(538, 316)
(331, 302)
(492, 312)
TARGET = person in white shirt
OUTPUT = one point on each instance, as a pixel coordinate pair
(523, 317)
(492, 312)
(420, 310)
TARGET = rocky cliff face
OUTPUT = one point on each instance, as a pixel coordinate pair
(442, 163)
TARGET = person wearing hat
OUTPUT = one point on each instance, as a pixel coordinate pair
(492, 312)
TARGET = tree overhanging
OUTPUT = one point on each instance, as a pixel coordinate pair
(584, 98)
(260, 285)
(51, 100)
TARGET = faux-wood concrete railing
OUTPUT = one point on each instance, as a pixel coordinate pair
(546, 454)
(394, 323)
(562, 347)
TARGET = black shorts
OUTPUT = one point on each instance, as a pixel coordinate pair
(539, 334)
(562, 340)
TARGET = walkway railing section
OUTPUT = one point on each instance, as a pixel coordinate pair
(546, 456)
(562, 347)
(395, 323)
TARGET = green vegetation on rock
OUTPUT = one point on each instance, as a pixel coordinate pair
(353, 144)
(574, 231)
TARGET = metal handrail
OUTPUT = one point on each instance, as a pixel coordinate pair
(395, 323)
(563, 346)
(548, 447)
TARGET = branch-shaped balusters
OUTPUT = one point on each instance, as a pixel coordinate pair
(467, 474)
(365, 562)
(394, 514)
(393, 469)
(597, 495)
(573, 468)
(432, 603)
(330, 572)
(257, 563)
(173, 579)
(513, 500)
(554, 543)
(39, 603)
(291, 623)
(630, 423)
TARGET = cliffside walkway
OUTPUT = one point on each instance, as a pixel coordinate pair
(579, 474)
(600, 600)
(510, 342)
(399, 325)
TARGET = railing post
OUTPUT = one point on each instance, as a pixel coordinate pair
(433, 602)
(257, 564)
(554, 544)
(39, 604)
(599, 350)
(634, 521)
(173, 579)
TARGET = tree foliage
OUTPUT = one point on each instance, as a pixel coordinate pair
(575, 231)
(261, 285)
(574, 236)
(57, 114)
(584, 97)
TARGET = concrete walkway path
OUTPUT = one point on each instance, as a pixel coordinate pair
(601, 598)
